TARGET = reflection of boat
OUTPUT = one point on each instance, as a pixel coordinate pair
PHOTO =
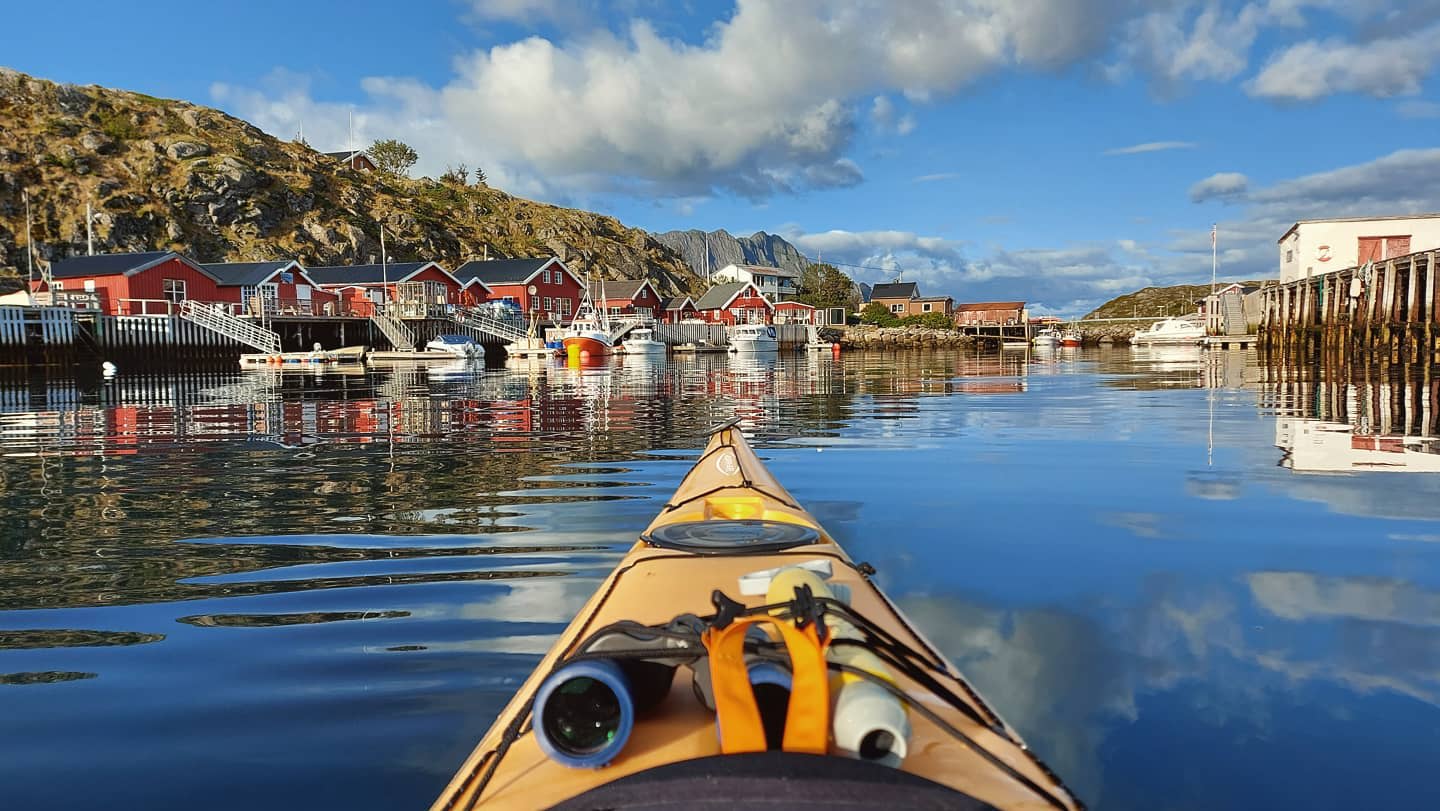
(641, 341)
(1046, 337)
(462, 346)
(753, 338)
(1070, 337)
(1332, 447)
(619, 688)
(1170, 331)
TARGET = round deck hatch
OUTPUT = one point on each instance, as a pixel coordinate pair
(731, 537)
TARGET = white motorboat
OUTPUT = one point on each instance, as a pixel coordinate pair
(461, 346)
(1047, 337)
(753, 338)
(641, 341)
(1170, 331)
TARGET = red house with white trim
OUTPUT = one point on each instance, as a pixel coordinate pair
(538, 286)
(418, 289)
(280, 287)
(150, 283)
(794, 312)
(735, 303)
(627, 298)
(677, 309)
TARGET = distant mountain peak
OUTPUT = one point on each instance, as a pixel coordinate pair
(760, 248)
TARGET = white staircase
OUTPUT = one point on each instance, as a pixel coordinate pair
(490, 325)
(1233, 310)
(223, 323)
(399, 335)
(619, 327)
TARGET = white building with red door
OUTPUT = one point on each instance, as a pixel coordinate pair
(1315, 247)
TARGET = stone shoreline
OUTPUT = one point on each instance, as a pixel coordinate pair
(866, 336)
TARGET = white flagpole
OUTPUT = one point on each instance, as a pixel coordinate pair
(29, 244)
(384, 271)
(89, 230)
(1214, 256)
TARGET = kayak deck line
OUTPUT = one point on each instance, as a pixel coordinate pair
(956, 739)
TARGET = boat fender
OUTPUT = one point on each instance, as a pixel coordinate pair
(584, 714)
(868, 722)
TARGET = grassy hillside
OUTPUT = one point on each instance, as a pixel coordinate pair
(1152, 301)
(168, 174)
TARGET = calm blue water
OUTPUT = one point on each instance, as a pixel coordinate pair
(1191, 583)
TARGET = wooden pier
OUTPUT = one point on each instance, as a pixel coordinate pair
(1384, 309)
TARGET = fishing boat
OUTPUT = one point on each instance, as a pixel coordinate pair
(1070, 337)
(753, 338)
(641, 341)
(737, 655)
(589, 332)
(1047, 337)
(1171, 331)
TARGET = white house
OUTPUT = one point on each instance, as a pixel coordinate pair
(776, 284)
(1316, 247)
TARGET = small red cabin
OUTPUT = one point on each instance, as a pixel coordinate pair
(735, 303)
(280, 287)
(414, 289)
(626, 298)
(677, 309)
(150, 283)
(794, 312)
(537, 286)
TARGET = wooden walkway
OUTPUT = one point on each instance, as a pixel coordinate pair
(1385, 308)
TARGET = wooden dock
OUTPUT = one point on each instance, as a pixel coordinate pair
(1385, 308)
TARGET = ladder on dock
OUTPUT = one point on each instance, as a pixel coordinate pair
(399, 335)
(237, 329)
(490, 325)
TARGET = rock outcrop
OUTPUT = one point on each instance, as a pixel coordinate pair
(866, 336)
(759, 248)
(163, 174)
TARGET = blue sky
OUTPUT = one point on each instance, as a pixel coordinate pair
(1060, 151)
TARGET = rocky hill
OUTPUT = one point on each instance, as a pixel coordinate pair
(166, 174)
(759, 248)
(1152, 301)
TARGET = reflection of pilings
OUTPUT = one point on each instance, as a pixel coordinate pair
(1395, 400)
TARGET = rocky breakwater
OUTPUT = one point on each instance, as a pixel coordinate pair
(872, 337)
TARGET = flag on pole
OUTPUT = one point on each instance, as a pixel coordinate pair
(1212, 236)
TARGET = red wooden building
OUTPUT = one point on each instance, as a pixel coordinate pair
(735, 303)
(794, 312)
(280, 287)
(151, 283)
(677, 309)
(989, 312)
(537, 286)
(627, 298)
(417, 289)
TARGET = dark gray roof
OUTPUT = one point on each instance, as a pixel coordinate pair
(345, 154)
(719, 295)
(617, 288)
(676, 303)
(363, 274)
(245, 274)
(500, 271)
(108, 264)
(895, 290)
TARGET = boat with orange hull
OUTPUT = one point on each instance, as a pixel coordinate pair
(738, 657)
(588, 336)
(589, 343)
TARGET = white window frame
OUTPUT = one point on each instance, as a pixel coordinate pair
(897, 308)
(167, 290)
(925, 308)
(565, 308)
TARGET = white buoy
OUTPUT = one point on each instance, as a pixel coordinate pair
(108, 369)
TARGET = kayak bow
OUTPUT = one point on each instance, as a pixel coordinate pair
(621, 711)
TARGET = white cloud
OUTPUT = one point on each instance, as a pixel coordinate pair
(1318, 68)
(1150, 146)
(520, 10)
(938, 176)
(1222, 185)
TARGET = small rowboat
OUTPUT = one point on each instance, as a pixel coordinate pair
(737, 657)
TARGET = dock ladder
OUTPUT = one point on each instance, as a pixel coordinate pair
(399, 335)
(237, 329)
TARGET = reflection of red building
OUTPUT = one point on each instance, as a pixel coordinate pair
(735, 303)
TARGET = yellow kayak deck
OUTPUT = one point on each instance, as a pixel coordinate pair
(652, 585)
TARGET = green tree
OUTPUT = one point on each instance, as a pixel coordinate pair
(825, 285)
(480, 176)
(456, 176)
(931, 320)
(392, 156)
(877, 314)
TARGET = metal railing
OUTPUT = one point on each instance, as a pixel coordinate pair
(397, 333)
(217, 320)
(504, 329)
